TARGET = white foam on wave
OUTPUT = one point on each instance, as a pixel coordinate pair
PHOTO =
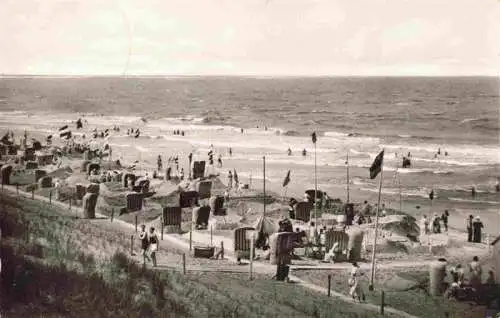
(473, 201)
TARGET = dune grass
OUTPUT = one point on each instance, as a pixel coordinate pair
(55, 267)
(405, 289)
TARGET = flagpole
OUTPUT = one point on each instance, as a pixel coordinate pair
(315, 191)
(400, 195)
(376, 226)
(347, 176)
(264, 171)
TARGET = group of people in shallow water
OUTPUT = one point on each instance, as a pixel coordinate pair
(474, 226)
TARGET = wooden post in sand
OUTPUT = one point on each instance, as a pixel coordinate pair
(112, 214)
(131, 245)
(264, 172)
(251, 255)
(329, 285)
(191, 239)
(161, 220)
(136, 223)
(211, 235)
(382, 302)
(50, 197)
(184, 263)
(32, 193)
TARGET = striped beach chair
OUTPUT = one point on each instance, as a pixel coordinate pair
(198, 169)
(172, 215)
(303, 211)
(201, 215)
(335, 236)
(134, 202)
(241, 243)
(172, 219)
(204, 189)
(188, 198)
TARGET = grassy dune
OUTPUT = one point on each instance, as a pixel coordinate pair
(405, 289)
(56, 266)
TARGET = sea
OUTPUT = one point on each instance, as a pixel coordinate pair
(353, 117)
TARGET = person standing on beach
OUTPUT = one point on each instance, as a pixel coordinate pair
(476, 272)
(473, 192)
(289, 151)
(160, 163)
(444, 217)
(182, 174)
(219, 161)
(356, 292)
(143, 236)
(153, 244)
(230, 179)
(469, 227)
(477, 227)
(230, 152)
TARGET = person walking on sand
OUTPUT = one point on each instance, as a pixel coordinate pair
(444, 218)
(468, 224)
(230, 179)
(153, 244)
(182, 174)
(477, 227)
(143, 236)
(356, 292)
(160, 163)
(220, 252)
(219, 161)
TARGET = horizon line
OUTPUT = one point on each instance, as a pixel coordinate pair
(228, 75)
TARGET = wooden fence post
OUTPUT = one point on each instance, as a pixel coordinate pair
(184, 263)
(50, 197)
(131, 245)
(190, 240)
(161, 219)
(136, 223)
(382, 302)
(112, 214)
(329, 285)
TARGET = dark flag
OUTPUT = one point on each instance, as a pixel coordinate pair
(63, 128)
(376, 166)
(313, 136)
(287, 179)
(431, 195)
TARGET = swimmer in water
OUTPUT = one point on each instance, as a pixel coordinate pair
(289, 151)
(304, 152)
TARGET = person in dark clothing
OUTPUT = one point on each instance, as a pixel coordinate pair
(143, 236)
(477, 227)
(304, 152)
(469, 228)
(169, 171)
(291, 210)
(230, 152)
(444, 217)
(473, 192)
(160, 163)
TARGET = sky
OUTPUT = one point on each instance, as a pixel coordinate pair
(250, 37)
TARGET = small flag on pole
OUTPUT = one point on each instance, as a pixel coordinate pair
(313, 136)
(287, 179)
(376, 166)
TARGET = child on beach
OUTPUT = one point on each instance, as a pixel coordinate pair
(230, 179)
